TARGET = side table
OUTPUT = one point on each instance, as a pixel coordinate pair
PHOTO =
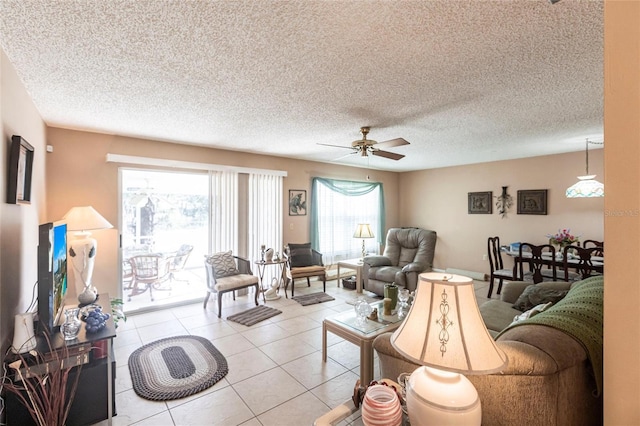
(261, 266)
(344, 325)
(355, 264)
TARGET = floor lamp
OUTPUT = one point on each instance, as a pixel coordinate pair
(83, 248)
(445, 333)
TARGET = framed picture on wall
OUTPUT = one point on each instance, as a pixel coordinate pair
(297, 202)
(20, 169)
(480, 202)
(532, 201)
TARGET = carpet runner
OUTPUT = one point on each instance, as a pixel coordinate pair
(254, 315)
(313, 298)
(176, 367)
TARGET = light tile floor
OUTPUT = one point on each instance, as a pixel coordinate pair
(276, 374)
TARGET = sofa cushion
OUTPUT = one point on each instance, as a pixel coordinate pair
(223, 264)
(534, 295)
(301, 255)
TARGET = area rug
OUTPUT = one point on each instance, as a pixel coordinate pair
(254, 315)
(313, 298)
(176, 367)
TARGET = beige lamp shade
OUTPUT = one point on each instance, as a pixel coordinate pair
(444, 328)
(85, 218)
(363, 230)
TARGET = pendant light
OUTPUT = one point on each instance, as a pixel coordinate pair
(586, 186)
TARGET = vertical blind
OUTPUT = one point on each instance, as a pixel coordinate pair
(224, 211)
(337, 207)
(265, 217)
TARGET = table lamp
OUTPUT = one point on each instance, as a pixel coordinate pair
(445, 333)
(83, 248)
(363, 230)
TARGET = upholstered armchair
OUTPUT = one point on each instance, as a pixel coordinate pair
(407, 253)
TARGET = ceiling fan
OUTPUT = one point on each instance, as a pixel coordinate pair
(365, 146)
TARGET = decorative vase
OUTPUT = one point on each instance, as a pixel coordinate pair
(268, 255)
(71, 326)
(381, 407)
(391, 292)
(88, 295)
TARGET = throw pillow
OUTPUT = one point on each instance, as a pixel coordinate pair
(300, 255)
(532, 312)
(223, 264)
(536, 295)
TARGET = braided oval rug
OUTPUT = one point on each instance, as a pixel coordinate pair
(176, 367)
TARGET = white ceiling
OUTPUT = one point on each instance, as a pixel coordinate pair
(463, 81)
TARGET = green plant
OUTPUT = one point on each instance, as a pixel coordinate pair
(117, 311)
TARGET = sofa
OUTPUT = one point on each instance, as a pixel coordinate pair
(407, 253)
(554, 373)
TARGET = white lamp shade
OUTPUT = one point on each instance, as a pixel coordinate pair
(85, 218)
(444, 328)
(363, 230)
(586, 187)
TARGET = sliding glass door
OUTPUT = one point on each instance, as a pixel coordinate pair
(164, 214)
(171, 220)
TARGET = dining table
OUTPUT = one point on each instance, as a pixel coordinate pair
(597, 262)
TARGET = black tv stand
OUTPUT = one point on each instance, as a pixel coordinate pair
(91, 356)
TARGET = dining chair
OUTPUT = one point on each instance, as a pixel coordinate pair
(539, 257)
(498, 271)
(581, 260)
(594, 243)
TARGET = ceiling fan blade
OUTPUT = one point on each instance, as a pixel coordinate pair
(335, 146)
(387, 154)
(345, 156)
(393, 142)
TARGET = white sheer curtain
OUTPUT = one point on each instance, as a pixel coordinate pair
(265, 217)
(224, 211)
(338, 216)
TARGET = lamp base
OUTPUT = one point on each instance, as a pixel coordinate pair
(437, 397)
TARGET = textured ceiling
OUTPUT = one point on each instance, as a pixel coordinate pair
(462, 81)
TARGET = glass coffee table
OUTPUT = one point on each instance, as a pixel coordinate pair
(344, 325)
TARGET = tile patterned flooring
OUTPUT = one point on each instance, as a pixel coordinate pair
(276, 374)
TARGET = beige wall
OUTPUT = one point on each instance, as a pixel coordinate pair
(77, 174)
(622, 202)
(18, 223)
(437, 199)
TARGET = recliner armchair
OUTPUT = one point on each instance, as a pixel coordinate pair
(407, 253)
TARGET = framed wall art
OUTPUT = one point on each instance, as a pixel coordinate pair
(532, 201)
(480, 202)
(297, 202)
(20, 169)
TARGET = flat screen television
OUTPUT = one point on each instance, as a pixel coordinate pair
(52, 274)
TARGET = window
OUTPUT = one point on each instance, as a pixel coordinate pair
(337, 206)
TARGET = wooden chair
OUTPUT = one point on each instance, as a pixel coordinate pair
(149, 271)
(227, 273)
(498, 270)
(542, 256)
(594, 243)
(304, 262)
(584, 265)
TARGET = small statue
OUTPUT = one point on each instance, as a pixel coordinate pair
(374, 315)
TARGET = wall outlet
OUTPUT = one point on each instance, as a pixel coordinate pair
(484, 257)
